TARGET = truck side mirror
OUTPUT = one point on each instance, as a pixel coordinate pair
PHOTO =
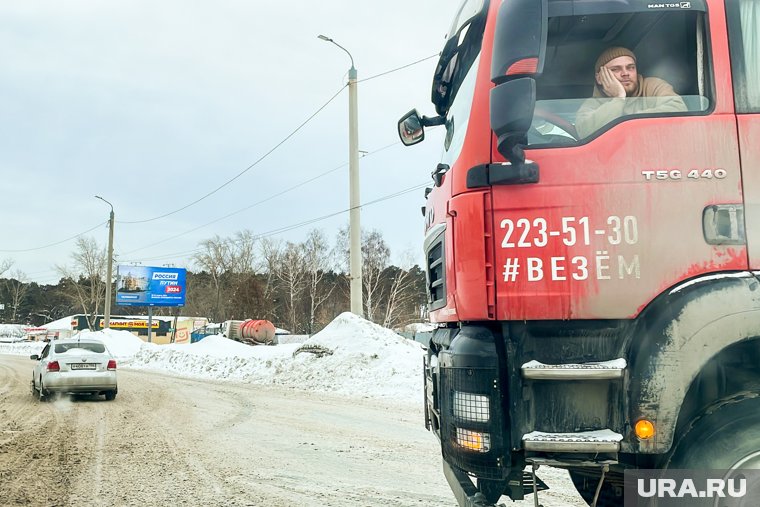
(512, 105)
(410, 128)
(518, 58)
(34, 357)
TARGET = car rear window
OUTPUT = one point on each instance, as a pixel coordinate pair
(61, 348)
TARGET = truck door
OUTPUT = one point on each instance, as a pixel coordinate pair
(643, 200)
(743, 28)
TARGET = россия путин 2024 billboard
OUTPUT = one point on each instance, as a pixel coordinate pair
(150, 286)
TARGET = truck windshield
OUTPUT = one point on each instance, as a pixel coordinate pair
(462, 48)
(672, 74)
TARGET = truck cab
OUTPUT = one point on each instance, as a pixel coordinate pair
(593, 277)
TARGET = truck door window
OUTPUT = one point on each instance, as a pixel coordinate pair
(456, 72)
(458, 117)
(744, 36)
(670, 52)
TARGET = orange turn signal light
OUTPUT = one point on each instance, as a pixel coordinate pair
(644, 429)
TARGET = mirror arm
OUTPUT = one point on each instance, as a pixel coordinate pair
(434, 121)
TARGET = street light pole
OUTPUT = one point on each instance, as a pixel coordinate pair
(109, 267)
(355, 234)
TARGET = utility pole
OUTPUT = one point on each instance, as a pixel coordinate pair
(109, 267)
(355, 231)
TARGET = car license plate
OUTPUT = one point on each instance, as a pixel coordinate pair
(82, 366)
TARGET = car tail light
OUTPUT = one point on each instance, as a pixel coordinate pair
(112, 364)
(53, 366)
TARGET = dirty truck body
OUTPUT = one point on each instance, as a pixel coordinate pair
(584, 284)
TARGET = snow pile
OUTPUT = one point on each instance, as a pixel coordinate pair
(60, 324)
(350, 356)
(290, 338)
(378, 362)
(21, 348)
(11, 332)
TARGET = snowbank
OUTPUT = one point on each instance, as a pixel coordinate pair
(351, 356)
(12, 332)
(60, 324)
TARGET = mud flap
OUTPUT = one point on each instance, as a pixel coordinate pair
(464, 490)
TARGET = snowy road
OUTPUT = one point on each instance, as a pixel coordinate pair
(172, 441)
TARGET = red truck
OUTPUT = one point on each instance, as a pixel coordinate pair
(595, 292)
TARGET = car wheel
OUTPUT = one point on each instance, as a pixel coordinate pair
(43, 394)
(725, 437)
(111, 395)
(586, 480)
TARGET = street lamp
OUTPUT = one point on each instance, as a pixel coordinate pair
(355, 233)
(109, 267)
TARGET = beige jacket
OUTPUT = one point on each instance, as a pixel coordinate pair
(654, 95)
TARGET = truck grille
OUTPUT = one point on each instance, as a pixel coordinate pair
(436, 274)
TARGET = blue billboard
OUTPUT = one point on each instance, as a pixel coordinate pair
(150, 286)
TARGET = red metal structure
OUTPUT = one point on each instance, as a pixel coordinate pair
(584, 285)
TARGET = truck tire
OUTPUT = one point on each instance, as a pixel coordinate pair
(725, 437)
(586, 480)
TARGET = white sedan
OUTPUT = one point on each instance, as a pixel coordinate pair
(74, 366)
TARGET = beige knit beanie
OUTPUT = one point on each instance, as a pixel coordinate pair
(610, 54)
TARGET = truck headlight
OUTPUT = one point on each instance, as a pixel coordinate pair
(471, 407)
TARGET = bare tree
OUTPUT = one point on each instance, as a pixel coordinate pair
(17, 288)
(401, 291)
(216, 258)
(243, 252)
(86, 279)
(5, 265)
(271, 252)
(292, 276)
(316, 262)
(375, 257)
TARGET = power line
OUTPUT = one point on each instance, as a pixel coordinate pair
(293, 226)
(257, 203)
(209, 194)
(283, 141)
(54, 244)
(398, 68)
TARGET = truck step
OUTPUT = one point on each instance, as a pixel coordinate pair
(607, 370)
(586, 441)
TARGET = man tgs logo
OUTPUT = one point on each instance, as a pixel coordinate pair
(165, 276)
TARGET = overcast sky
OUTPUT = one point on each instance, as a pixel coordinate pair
(154, 104)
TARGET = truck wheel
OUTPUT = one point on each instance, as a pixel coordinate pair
(725, 437)
(586, 480)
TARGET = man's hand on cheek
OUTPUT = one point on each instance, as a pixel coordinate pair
(610, 85)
